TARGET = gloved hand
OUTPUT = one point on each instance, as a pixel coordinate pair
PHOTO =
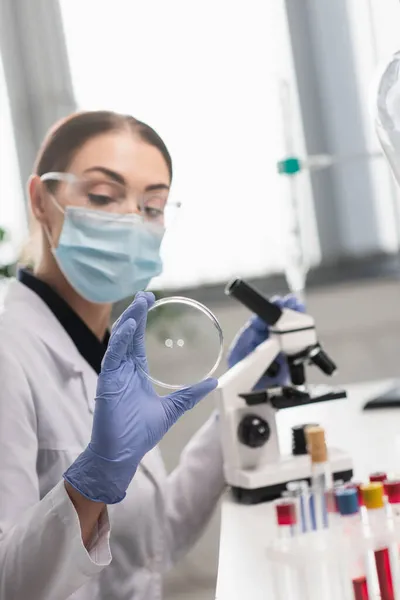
(253, 334)
(129, 417)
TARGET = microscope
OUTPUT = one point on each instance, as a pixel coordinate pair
(253, 465)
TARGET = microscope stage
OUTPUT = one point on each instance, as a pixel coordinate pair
(251, 486)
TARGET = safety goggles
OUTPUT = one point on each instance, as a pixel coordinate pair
(98, 192)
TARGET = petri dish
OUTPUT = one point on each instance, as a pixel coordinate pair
(184, 342)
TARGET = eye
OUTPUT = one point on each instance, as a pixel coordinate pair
(102, 193)
(154, 214)
(100, 199)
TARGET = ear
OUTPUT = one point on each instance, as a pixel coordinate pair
(36, 198)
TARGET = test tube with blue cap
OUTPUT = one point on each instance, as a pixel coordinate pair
(357, 575)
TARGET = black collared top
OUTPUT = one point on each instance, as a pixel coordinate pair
(88, 345)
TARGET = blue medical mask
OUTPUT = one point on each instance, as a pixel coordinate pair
(107, 257)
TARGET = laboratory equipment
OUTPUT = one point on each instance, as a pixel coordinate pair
(379, 476)
(352, 558)
(286, 518)
(296, 253)
(379, 528)
(392, 489)
(184, 342)
(355, 560)
(253, 464)
(299, 492)
(321, 476)
(387, 123)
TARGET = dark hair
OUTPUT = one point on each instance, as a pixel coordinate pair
(67, 136)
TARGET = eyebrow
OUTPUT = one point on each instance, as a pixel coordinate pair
(120, 179)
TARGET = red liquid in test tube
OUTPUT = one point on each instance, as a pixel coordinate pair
(377, 519)
(360, 588)
(286, 518)
(384, 572)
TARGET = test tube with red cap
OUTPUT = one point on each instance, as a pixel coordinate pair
(286, 518)
(393, 496)
(393, 506)
(379, 477)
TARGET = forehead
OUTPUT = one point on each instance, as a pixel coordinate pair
(138, 162)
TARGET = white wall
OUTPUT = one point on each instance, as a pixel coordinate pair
(205, 75)
(12, 204)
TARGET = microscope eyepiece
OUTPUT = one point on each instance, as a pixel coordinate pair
(322, 360)
(253, 300)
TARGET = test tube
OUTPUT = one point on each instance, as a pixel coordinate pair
(355, 563)
(286, 518)
(393, 508)
(358, 485)
(331, 503)
(300, 491)
(332, 508)
(321, 476)
(393, 496)
(378, 525)
(378, 476)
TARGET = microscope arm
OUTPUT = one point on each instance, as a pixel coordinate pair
(243, 376)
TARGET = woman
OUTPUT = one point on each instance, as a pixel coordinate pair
(98, 196)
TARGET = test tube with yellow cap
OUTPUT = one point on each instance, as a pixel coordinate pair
(373, 496)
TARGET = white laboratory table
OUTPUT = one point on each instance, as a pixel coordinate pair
(373, 440)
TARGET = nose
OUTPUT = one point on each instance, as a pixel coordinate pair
(132, 207)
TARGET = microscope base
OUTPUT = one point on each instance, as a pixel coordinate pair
(254, 486)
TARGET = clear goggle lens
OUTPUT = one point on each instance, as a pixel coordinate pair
(100, 193)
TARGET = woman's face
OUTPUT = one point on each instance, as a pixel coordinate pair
(115, 172)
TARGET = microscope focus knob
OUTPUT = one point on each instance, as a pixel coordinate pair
(253, 431)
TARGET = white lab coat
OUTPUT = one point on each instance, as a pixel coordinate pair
(46, 406)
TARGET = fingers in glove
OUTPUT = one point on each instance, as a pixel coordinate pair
(118, 345)
(138, 342)
(136, 305)
(138, 310)
(179, 402)
(293, 303)
(259, 324)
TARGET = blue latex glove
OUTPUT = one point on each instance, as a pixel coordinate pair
(253, 334)
(129, 417)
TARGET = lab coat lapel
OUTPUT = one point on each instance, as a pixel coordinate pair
(42, 323)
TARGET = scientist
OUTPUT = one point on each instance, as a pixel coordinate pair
(87, 510)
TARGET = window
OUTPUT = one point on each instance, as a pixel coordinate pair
(12, 204)
(205, 76)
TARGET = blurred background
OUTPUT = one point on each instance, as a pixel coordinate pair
(267, 110)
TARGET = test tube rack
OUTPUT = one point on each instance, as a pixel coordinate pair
(315, 566)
